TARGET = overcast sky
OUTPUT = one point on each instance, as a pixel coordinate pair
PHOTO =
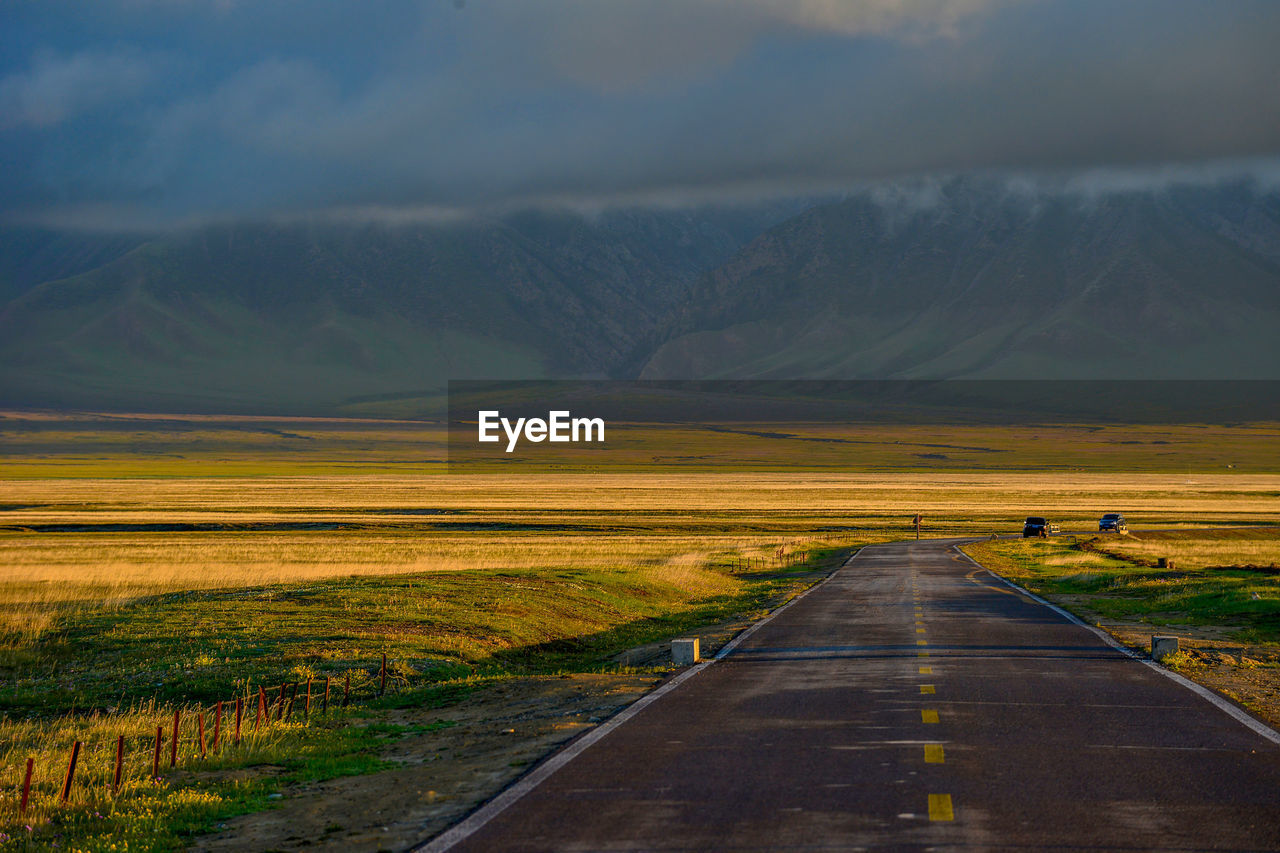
(144, 112)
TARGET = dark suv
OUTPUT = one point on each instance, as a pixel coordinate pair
(1035, 526)
(1112, 521)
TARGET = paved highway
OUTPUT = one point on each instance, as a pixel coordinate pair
(911, 701)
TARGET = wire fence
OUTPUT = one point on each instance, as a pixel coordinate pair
(183, 739)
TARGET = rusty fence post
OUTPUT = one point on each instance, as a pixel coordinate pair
(71, 772)
(326, 694)
(115, 778)
(293, 695)
(26, 786)
(306, 705)
(239, 714)
(280, 703)
(217, 726)
(173, 745)
(262, 708)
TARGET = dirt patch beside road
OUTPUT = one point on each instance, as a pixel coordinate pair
(497, 732)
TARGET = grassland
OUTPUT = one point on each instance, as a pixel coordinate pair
(150, 446)
(1251, 549)
(151, 563)
(70, 542)
(98, 671)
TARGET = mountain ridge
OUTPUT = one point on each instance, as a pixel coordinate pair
(304, 317)
(856, 289)
(976, 280)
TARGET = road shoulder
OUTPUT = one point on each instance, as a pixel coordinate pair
(1246, 675)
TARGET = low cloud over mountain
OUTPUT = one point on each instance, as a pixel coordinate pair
(141, 115)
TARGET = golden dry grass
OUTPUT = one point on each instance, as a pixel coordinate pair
(660, 523)
(41, 576)
(1209, 550)
(1007, 494)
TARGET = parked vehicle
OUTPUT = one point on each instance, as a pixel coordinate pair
(1038, 526)
(1112, 521)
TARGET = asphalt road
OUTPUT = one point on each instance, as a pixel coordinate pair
(911, 701)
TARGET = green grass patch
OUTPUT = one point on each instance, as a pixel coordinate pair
(205, 646)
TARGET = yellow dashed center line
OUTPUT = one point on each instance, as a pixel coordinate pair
(939, 804)
(940, 807)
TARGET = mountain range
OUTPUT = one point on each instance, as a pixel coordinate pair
(975, 279)
(984, 283)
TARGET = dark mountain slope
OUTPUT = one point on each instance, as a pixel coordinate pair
(30, 256)
(988, 283)
(980, 282)
(311, 318)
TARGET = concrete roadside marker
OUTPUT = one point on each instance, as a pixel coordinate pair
(685, 651)
(1162, 646)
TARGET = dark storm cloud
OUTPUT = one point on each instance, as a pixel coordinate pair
(152, 111)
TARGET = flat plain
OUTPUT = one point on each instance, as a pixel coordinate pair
(158, 563)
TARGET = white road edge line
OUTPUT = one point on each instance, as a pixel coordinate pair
(1235, 713)
(481, 816)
